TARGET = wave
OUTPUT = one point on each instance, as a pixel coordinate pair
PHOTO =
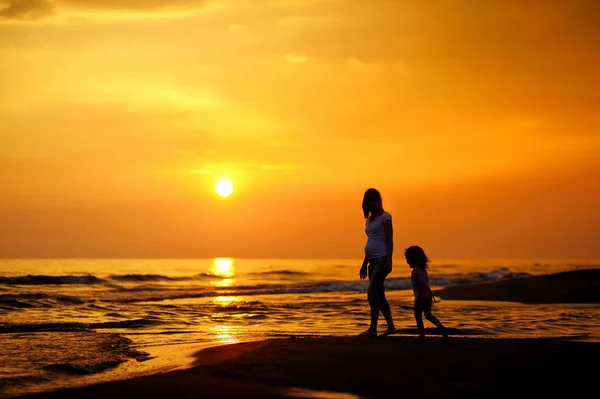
(50, 280)
(144, 295)
(39, 295)
(75, 327)
(147, 277)
(135, 323)
(36, 300)
(9, 304)
(208, 275)
(43, 327)
(494, 275)
(111, 353)
(274, 289)
(19, 381)
(89, 279)
(280, 273)
(83, 369)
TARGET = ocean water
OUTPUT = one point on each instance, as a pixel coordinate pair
(72, 322)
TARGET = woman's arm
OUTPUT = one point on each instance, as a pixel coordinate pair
(389, 242)
(363, 270)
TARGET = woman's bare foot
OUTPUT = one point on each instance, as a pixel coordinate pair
(370, 332)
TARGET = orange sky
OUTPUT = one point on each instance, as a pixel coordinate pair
(478, 120)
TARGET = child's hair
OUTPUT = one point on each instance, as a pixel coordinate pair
(415, 257)
(371, 191)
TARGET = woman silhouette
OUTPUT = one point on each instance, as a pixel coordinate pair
(377, 263)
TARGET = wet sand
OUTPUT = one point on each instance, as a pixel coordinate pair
(391, 367)
(579, 286)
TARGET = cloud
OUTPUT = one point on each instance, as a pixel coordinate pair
(26, 9)
(155, 5)
(237, 168)
(36, 9)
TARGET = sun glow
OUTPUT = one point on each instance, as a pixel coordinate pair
(222, 267)
(224, 188)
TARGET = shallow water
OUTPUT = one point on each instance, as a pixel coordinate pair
(70, 322)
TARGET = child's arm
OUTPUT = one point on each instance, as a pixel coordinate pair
(426, 284)
(419, 279)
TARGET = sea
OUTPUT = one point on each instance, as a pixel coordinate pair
(72, 322)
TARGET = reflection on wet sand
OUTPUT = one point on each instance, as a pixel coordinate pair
(309, 393)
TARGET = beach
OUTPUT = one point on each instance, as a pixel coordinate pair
(391, 367)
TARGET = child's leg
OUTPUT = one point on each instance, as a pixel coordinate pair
(434, 319)
(418, 317)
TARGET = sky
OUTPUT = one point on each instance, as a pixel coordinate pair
(479, 122)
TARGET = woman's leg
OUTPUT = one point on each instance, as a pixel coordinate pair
(374, 319)
(386, 311)
(376, 276)
(374, 310)
(387, 314)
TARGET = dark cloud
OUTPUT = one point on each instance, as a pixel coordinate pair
(36, 9)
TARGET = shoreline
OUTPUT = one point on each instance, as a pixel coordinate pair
(402, 366)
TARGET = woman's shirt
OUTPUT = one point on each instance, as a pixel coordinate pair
(376, 246)
(419, 279)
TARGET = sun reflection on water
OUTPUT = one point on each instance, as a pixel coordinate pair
(222, 267)
(226, 334)
(226, 300)
(226, 282)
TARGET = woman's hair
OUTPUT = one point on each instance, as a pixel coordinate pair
(415, 257)
(370, 191)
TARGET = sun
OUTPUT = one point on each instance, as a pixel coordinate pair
(222, 267)
(224, 188)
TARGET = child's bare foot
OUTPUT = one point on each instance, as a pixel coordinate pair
(445, 334)
(390, 330)
(370, 332)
